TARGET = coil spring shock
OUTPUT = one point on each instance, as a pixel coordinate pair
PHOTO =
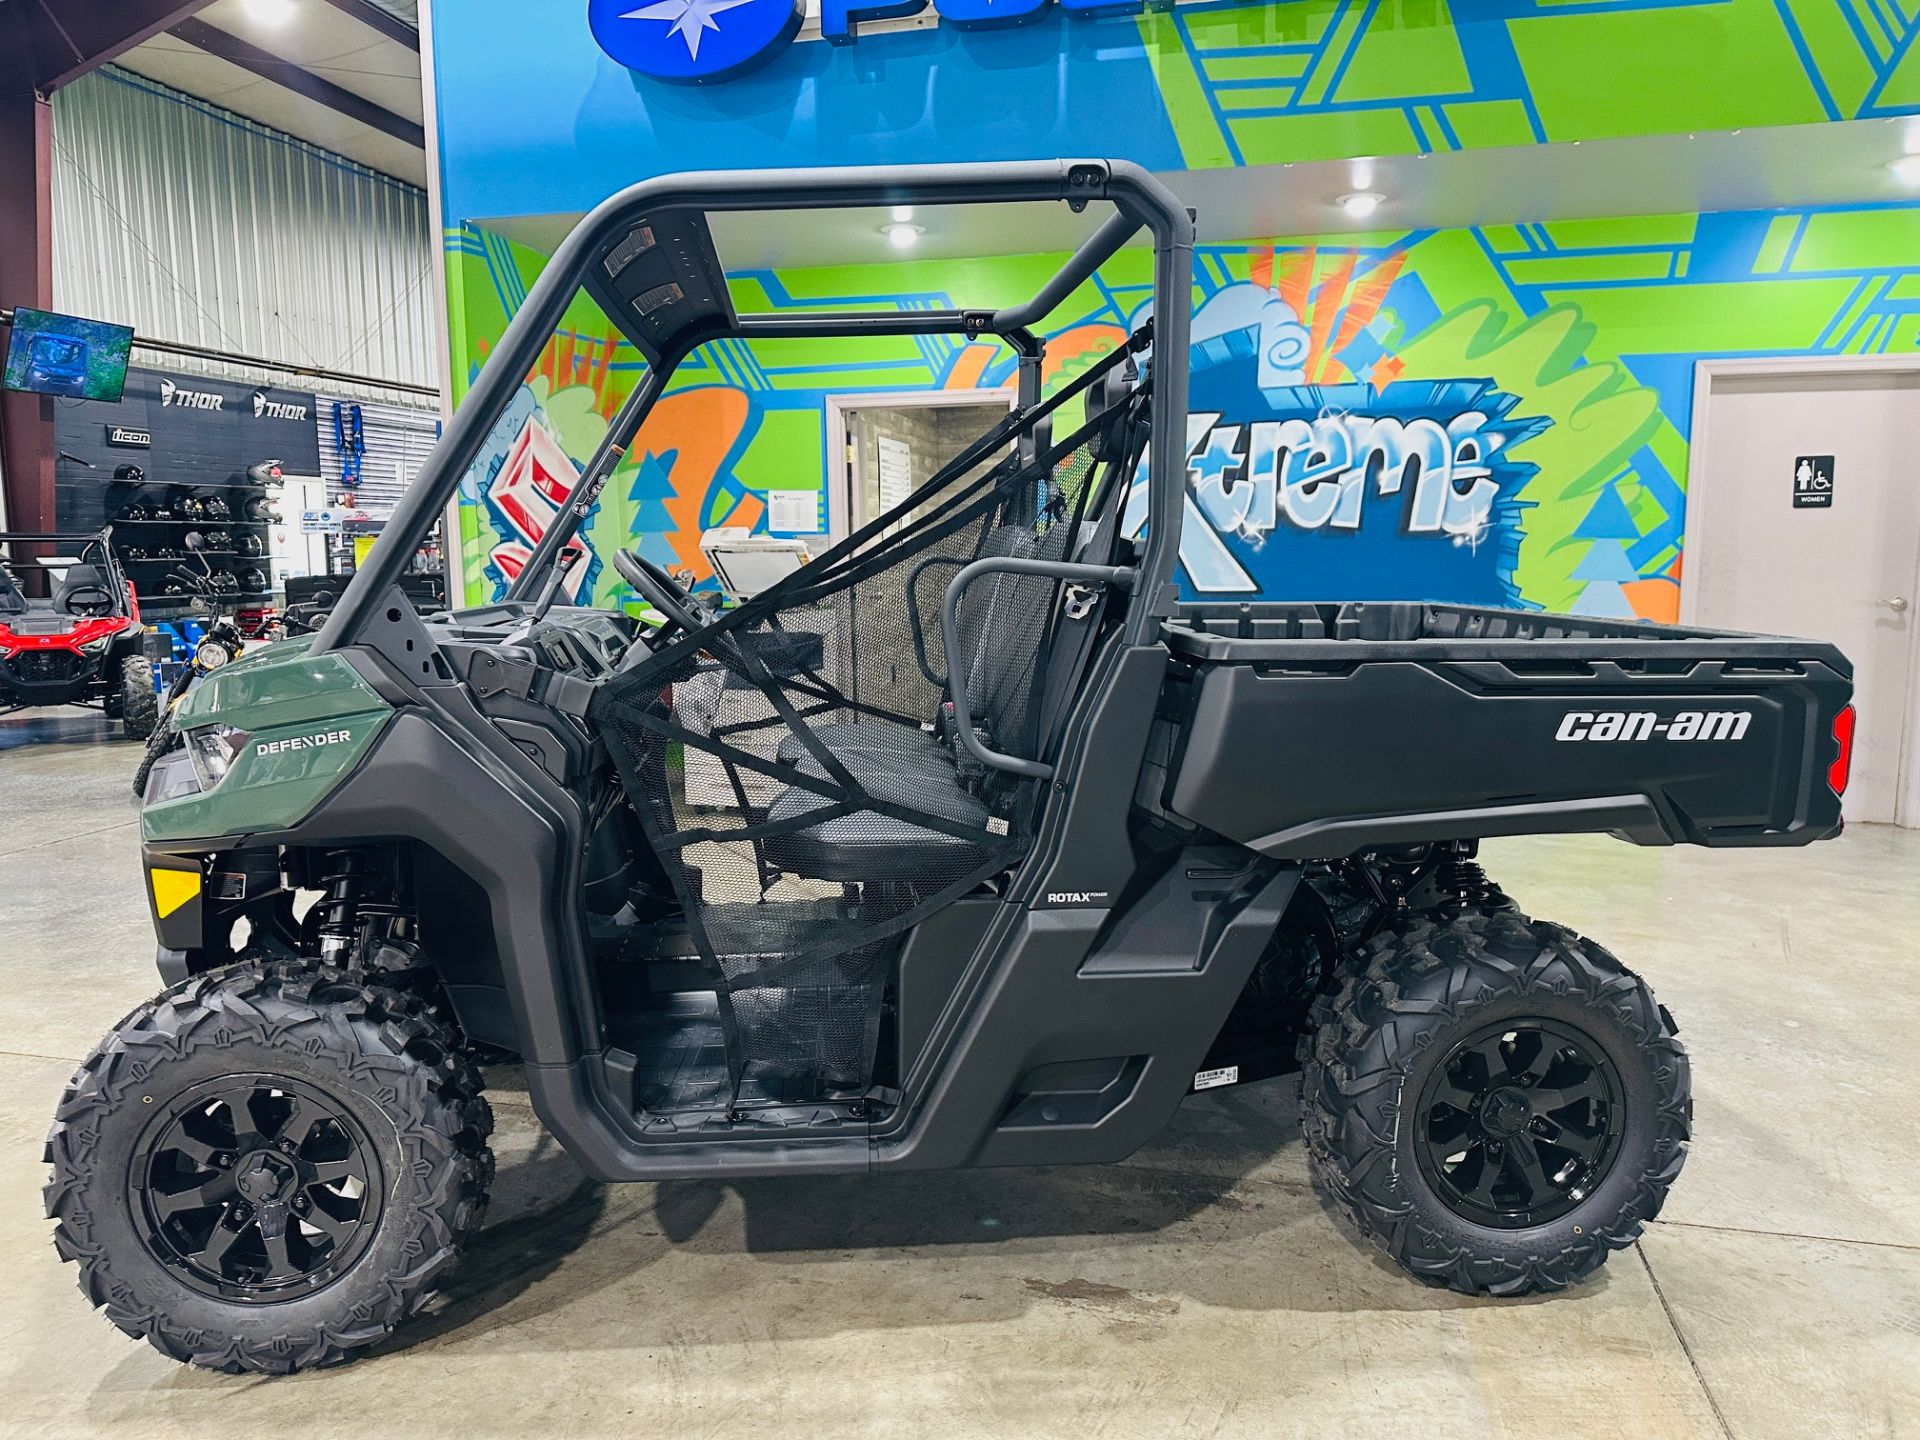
(1462, 876)
(340, 903)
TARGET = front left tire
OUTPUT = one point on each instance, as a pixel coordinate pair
(139, 705)
(270, 1167)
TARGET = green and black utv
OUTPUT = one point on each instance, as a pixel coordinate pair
(998, 852)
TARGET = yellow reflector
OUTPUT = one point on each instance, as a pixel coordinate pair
(172, 889)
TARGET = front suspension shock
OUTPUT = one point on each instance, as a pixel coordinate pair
(341, 883)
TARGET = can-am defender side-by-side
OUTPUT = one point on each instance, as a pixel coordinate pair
(964, 844)
(70, 631)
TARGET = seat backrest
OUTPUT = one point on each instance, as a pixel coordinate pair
(12, 602)
(998, 642)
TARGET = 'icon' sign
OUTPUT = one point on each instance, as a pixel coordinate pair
(693, 39)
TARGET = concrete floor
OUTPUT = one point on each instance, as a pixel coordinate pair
(1203, 1288)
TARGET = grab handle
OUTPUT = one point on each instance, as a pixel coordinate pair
(1118, 576)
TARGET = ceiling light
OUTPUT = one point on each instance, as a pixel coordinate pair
(269, 12)
(1906, 169)
(902, 236)
(1361, 204)
(902, 214)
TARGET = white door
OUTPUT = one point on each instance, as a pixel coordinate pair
(1804, 519)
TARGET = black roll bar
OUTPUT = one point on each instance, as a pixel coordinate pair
(1140, 199)
(1094, 252)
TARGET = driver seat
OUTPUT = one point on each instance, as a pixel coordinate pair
(12, 602)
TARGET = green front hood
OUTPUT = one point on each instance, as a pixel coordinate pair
(308, 720)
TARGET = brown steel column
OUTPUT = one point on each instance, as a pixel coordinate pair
(26, 278)
(44, 45)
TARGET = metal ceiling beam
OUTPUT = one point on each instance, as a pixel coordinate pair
(69, 38)
(385, 21)
(285, 73)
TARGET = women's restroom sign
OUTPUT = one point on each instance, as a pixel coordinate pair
(1813, 482)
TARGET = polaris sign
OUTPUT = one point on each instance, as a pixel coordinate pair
(704, 40)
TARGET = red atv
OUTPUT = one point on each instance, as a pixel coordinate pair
(70, 630)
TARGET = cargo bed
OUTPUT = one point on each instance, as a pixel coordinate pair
(1314, 731)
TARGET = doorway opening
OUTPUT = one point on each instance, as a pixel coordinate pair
(890, 444)
(1803, 518)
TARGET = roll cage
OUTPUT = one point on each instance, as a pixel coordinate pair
(90, 548)
(646, 256)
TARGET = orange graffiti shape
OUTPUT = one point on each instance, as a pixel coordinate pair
(700, 426)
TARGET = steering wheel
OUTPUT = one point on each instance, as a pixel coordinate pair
(657, 588)
(88, 600)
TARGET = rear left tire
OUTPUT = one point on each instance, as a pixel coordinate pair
(1497, 1102)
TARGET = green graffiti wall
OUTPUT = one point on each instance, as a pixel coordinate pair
(537, 118)
(1581, 334)
(1325, 79)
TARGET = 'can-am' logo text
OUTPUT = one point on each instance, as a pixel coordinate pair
(172, 394)
(1645, 725)
(265, 409)
(302, 742)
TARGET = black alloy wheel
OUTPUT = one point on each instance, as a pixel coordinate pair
(256, 1188)
(1497, 1102)
(1519, 1123)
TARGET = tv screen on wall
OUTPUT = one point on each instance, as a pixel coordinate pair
(65, 355)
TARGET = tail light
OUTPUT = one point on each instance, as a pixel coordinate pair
(1842, 766)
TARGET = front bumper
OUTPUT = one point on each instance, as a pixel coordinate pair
(48, 676)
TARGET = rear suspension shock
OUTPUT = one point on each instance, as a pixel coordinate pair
(1461, 876)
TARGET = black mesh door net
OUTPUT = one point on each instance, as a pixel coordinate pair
(794, 765)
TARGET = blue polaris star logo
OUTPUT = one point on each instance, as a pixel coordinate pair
(693, 39)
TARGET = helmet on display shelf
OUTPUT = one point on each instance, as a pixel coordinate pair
(219, 540)
(252, 581)
(223, 580)
(248, 544)
(217, 507)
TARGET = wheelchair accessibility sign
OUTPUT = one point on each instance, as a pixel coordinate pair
(1813, 482)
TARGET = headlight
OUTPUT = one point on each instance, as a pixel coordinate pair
(98, 646)
(213, 748)
(210, 655)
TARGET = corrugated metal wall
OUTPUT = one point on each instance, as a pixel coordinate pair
(196, 226)
(396, 444)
